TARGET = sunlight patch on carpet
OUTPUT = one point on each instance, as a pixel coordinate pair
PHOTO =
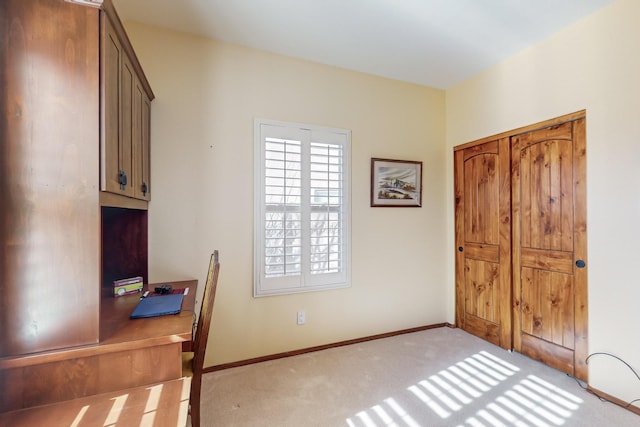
(527, 400)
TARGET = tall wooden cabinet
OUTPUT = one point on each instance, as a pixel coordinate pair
(75, 121)
(49, 181)
(75, 116)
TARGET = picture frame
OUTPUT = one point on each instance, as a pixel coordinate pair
(396, 183)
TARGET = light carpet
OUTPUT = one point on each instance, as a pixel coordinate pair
(437, 377)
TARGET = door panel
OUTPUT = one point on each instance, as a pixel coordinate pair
(483, 258)
(547, 306)
(548, 260)
(481, 295)
(547, 171)
(546, 193)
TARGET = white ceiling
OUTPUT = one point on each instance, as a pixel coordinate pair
(436, 43)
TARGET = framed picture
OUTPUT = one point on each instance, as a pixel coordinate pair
(396, 183)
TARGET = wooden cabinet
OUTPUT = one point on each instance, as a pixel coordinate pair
(76, 99)
(126, 116)
(131, 353)
(49, 199)
(75, 111)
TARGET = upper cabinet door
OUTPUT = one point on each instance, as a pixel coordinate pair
(127, 134)
(111, 100)
(125, 143)
(141, 143)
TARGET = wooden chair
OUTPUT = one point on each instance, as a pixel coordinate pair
(192, 362)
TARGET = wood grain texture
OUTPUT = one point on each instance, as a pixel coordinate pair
(131, 353)
(117, 201)
(141, 142)
(483, 329)
(546, 259)
(126, 111)
(480, 292)
(548, 353)
(124, 236)
(546, 191)
(146, 145)
(482, 252)
(580, 248)
(48, 177)
(116, 327)
(50, 235)
(53, 382)
(194, 361)
(459, 209)
(163, 404)
(117, 333)
(547, 301)
(483, 230)
(542, 233)
(549, 231)
(514, 133)
(504, 295)
(111, 60)
(109, 9)
(126, 102)
(482, 220)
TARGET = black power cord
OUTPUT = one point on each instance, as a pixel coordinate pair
(596, 394)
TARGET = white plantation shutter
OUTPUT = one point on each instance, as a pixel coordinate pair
(301, 208)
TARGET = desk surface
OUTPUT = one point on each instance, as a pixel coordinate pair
(116, 327)
(130, 354)
(120, 333)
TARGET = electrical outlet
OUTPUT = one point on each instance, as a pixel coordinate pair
(301, 318)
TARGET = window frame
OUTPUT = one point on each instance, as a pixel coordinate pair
(306, 134)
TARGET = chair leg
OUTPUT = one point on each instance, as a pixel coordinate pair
(194, 400)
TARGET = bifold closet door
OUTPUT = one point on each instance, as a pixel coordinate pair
(483, 235)
(549, 245)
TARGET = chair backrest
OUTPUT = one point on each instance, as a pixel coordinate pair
(201, 334)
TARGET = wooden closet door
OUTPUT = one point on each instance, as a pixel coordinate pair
(483, 234)
(549, 246)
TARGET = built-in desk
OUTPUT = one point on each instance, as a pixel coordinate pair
(131, 353)
(117, 329)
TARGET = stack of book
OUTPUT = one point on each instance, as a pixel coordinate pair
(132, 285)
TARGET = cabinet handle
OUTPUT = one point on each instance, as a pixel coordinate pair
(122, 179)
(145, 188)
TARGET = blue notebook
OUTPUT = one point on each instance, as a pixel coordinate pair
(158, 306)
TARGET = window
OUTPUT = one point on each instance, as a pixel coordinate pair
(301, 208)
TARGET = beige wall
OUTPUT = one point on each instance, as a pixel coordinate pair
(594, 65)
(207, 96)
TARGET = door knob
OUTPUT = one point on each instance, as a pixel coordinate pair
(580, 263)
